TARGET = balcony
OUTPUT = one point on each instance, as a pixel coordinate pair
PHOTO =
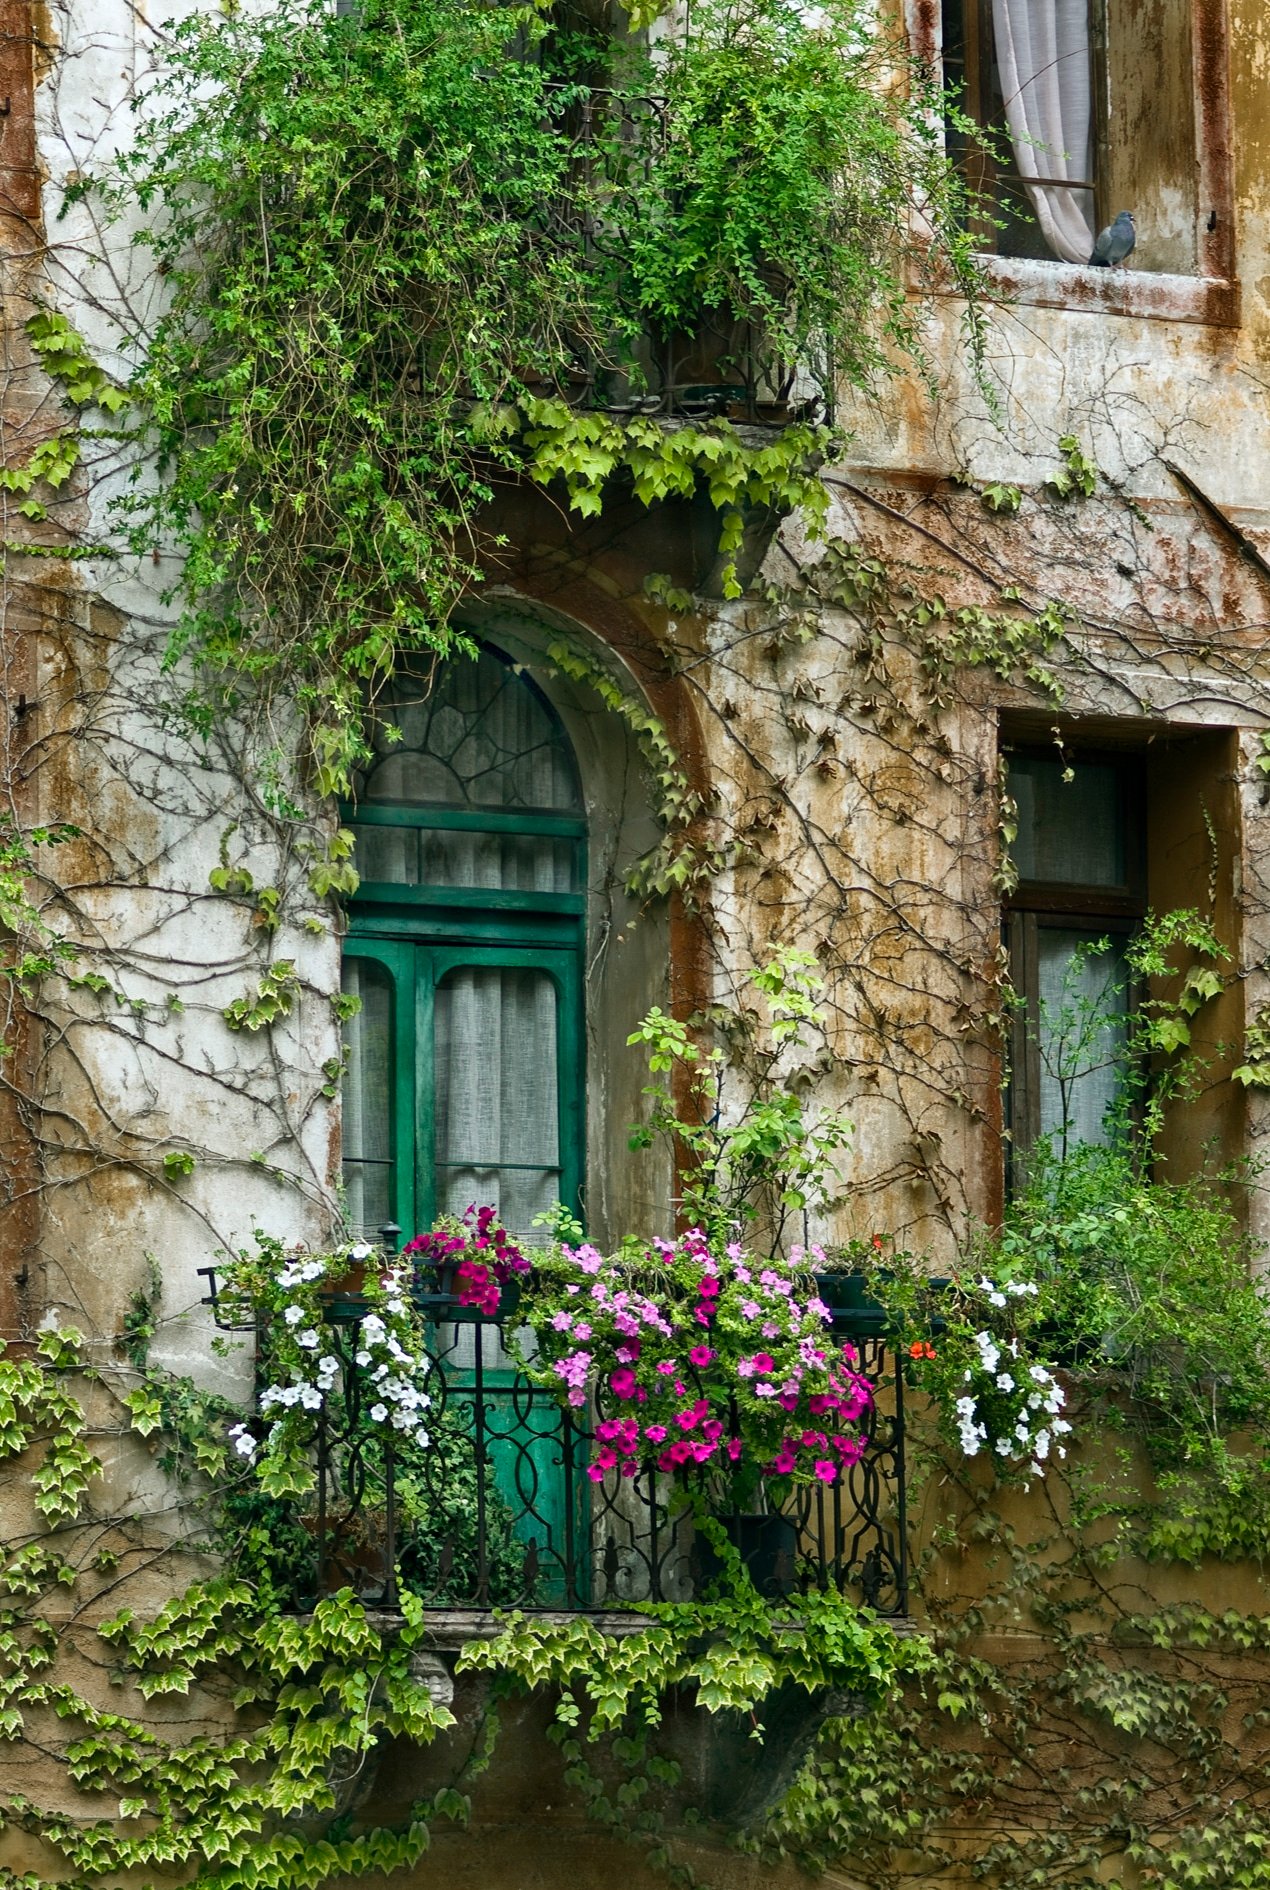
(725, 366)
(506, 1508)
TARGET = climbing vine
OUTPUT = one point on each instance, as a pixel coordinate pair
(330, 441)
(393, 300)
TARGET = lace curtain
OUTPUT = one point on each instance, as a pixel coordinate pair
(368, 1088)
(1082, 1030)
(497, 1137)
(1043, 58)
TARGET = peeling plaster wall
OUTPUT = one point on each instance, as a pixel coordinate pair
(147, 1066)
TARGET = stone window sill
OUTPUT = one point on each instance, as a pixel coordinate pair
(1209, 300)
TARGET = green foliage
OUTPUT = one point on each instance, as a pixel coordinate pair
(781, 194)
(732, 1653)
(273, 998)
(384, 276)
(1004, 500)
(1012, 646)
(759, 1165)
(32, 949)
(1079, 474)
(1254, 1073)
(1153, 1291)
(66, 360)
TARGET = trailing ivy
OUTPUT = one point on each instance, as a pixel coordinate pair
(392, 268)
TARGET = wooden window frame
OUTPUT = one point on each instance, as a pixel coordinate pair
(1065, 905)
(1211, 295)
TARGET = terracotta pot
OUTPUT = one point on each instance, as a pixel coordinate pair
(344, 1297)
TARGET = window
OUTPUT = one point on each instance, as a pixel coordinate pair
(1094, 107)
(1152, 824)
(465, 948)
(1081, 862)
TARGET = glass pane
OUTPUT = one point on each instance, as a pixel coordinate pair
(474, 733)
(1070, 832)
(1081, 1032)
(368, 1096)
(497, 1096)
(434, 856)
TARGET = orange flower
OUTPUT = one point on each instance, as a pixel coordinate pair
(920, 1349)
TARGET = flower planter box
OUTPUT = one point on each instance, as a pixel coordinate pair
(435, 1289)
(344, 1299)
(856, 1314)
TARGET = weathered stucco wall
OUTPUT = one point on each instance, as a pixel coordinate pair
(853, 783)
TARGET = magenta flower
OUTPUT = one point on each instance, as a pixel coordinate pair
(623, 1382)
(700, 1355)
(826, 1471)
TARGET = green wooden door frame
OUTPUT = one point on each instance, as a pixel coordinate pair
(416, 956)
(416, 966)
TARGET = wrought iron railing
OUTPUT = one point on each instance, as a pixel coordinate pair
(727, 367)
(499, 1511)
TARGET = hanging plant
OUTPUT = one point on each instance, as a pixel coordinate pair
(386, 235)
(712, 1368)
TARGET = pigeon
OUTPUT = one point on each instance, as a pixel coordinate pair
(1115, 243)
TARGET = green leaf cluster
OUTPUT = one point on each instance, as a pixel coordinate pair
(422, 244)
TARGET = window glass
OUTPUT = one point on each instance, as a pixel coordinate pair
(497, 1122)
(369, 1175)
(1081, 1028)
(479, 736)
(1069, 832)
(1089, 107)
(443, 856)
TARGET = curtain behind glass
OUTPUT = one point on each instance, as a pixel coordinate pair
(1082, 1031)
(368, 1091)
(497, 1134)
(1069, 832)
(483, 739)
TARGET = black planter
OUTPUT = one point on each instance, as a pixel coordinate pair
(435, 1288)
(855, 1313)
(767, 1546)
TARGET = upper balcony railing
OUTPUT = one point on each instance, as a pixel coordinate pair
(726, 367)
(506, 1508)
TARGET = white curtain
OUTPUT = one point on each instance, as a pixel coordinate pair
(367, 1121)
(497, 1138)
(1083, 1030)
(1043, 59)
